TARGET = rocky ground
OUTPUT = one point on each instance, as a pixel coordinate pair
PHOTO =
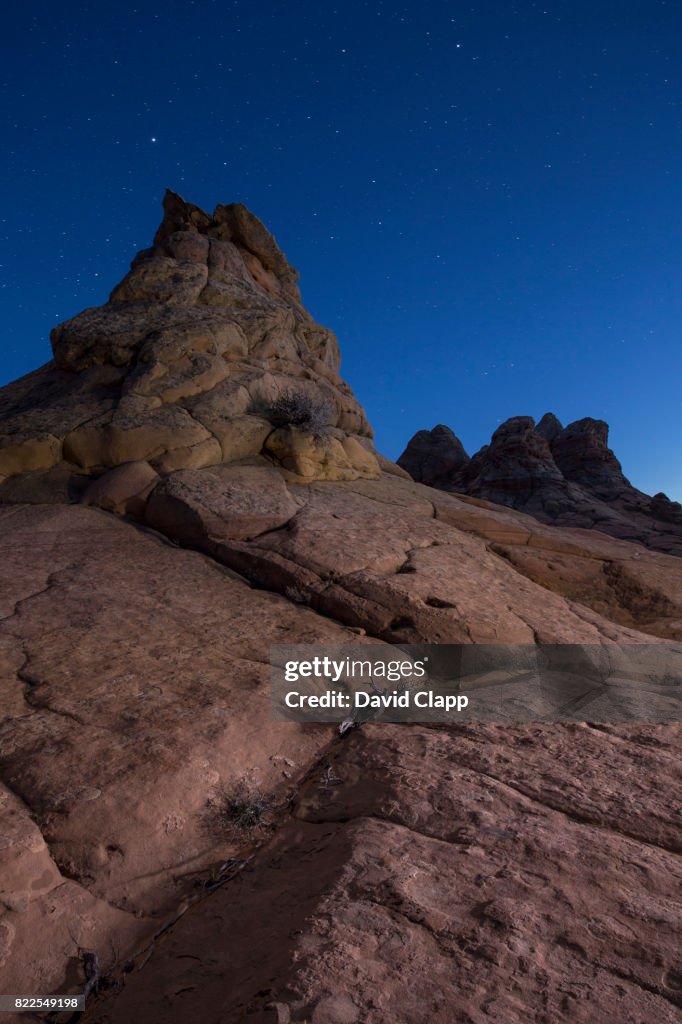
(452, 875)
(222, 866)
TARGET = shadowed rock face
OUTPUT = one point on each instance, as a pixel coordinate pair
(473, 873)
(549, 427)
(563, 475)
(582, 453)
(435, 457)
(517, 460)
(185, 366)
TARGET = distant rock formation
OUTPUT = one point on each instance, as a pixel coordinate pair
(567, 476)
(190, 363)
(435, 457)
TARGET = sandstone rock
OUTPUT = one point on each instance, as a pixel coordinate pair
(466, 872)
(30, 454)
(193, 375)
(582, 454)
(123, 490)
(435, 457)
(231, 502)
(549, 427)
(518, 461)
(195, 456)
(363, 461)
(370, 554)
(206, 329)
(114, 441)
(239, 437)
(481, 888)
(160, 279)
(663, 508)
(61, 484)
(386, 466)
(566, 476)
(320, 457)
(133, 682)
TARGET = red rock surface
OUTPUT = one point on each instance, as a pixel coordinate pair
(452, 875)
(225, 867)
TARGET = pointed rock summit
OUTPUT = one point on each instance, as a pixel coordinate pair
(566, 476)
(583, 455)
(435, 457)
(549, 427)
(204, 355)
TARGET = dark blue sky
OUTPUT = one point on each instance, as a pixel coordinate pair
(483, 199)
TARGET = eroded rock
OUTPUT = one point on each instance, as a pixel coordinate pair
(225, 503)
(183, 365)
(403, 873)
(566, 476)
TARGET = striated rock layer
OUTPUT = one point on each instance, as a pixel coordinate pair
(451, 875)
(195, 360)
(190, 482)
(567, 476)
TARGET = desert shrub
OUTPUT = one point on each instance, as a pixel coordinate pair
(241, 809)
(303, 410)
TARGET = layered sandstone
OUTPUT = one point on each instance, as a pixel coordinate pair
(191, 481)
(189, 364)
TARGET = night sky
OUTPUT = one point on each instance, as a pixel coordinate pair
(483, 199)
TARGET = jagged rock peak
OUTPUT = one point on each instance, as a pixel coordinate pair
(549, 427)
(203, 355)
(567, 476)
(199, 267)
(516, 458)
(514, 425)
(589, 432)
(230, 222)
(583, 455)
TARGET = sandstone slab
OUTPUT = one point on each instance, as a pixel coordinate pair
(133, 681)
(479, 889)
(231, 502)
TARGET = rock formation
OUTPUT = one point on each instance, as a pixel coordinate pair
(191, 363)
(435, 457)
(567, 476)
(189, 482)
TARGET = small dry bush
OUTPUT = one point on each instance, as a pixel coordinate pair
(303, 410)
(241, 809)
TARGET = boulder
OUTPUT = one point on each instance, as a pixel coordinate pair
(123, 490)
(309, 456)
(227, 502)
